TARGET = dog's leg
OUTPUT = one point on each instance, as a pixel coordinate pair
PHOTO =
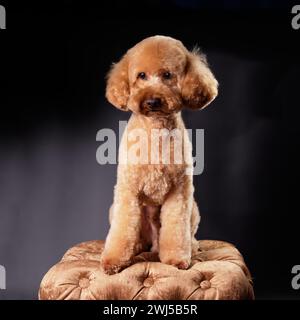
(195, 220)
(111, 213)
(175, 239)
(153, 216)
(122, 242)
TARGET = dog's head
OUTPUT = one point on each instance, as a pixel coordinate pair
(159, 76)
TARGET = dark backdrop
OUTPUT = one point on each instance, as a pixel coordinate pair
(53, 194)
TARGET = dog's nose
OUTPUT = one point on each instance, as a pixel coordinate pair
(154, 103)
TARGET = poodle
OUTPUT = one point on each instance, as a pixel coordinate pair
(154, 203)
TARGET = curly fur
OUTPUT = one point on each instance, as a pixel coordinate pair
(154, 203)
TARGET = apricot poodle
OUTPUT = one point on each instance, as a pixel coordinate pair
(154, 203)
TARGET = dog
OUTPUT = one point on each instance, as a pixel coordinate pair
(154, 203)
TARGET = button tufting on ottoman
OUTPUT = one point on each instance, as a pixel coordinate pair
(217, 271)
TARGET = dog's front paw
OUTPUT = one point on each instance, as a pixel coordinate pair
(178, 263)
(112, 266)
(109, 268)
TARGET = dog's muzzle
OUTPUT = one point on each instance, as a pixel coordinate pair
(152, 104)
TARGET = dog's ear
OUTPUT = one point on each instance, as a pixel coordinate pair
(199, 86)
(117, 88)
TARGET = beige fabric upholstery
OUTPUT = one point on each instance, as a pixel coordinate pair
(217, 272)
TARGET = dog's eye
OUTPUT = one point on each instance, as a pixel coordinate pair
(167, 75)
(141, 75)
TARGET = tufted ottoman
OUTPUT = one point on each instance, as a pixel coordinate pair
(218, 271)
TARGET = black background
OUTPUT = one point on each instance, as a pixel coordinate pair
(54, 57)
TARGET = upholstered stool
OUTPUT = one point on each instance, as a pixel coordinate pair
(218, 271)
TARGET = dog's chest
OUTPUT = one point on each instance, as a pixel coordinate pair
(166, 150)
(157, 182)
